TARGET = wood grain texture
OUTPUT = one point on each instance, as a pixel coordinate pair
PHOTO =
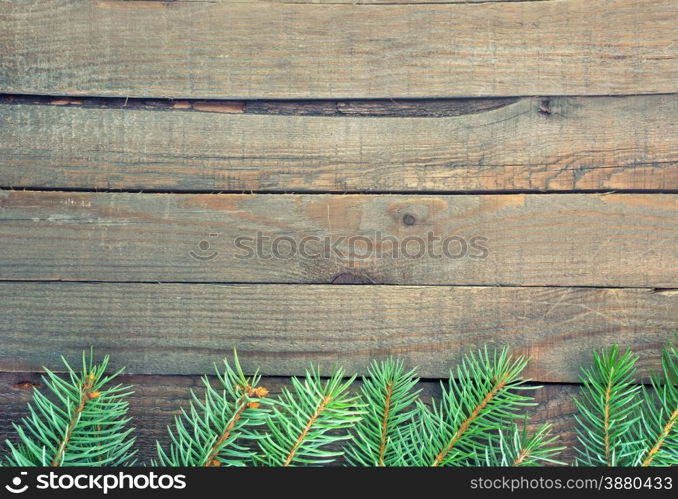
(518, 239)
(364, 2)
(281, 329)
(157, 399)
(509, 145)
(280, 50)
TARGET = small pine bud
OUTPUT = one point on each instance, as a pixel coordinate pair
(89, 381)
(253, 405)
(260, 392)
(95, 394)
(215, 462)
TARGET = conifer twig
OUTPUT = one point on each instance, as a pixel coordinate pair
(82, 421)
(481, 397)
(220, 428)
(469, 420)
(607, 410)
(305, 420)
(388, 393)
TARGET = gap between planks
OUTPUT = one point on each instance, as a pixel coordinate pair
(75, 190)
(350, 280)
(346, 107)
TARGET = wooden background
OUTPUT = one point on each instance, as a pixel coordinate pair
(133, 131)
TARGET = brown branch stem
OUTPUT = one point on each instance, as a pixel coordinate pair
(384, 423)
(606, 420)
(85, 396)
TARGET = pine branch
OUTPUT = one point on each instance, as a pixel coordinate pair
(83, 421)
(483, 396)
(515, 447)
(308, 419)
(607, 407)
(388, 396)
(658, 427)
(217, 429)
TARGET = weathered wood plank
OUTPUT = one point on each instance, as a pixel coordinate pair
(367, 2)
(184, 328)
(540, 240)
(157, 399)
(271, 50)
(527, 145)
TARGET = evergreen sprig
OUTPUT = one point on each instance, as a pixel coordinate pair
(219, 428)
(607, 409)
(307, 420)
(658, 429)
(484, 394)
(389, 396)
(621, 423)
(81, 421)
(516, 447)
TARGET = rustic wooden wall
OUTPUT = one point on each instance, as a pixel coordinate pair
(133, 131)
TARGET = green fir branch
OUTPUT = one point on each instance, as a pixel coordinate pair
(485, 394)
(308, 419)
(218, 429)
(389, 395)
(658, 428)
(516, 447)
(608, 410)
(81, 421)
(81, 418)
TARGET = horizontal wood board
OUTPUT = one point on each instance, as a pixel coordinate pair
(531, 144)
(282, 329)
(609, 240)
(249, 50)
